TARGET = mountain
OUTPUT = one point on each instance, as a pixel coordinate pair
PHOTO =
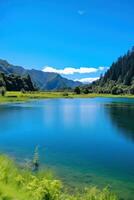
(122, 71)
(42, 80)
(118, 79)
(13, 82)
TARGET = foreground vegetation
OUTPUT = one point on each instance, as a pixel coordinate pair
(21, 97)
(27, 184)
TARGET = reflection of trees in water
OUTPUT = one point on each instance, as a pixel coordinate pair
(123, 116)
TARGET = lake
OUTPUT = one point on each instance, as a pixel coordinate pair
(84, 141)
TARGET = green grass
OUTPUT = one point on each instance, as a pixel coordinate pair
(22, 184)
(21, 97)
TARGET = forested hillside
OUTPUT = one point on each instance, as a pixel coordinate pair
(13, 82)
(118, 79)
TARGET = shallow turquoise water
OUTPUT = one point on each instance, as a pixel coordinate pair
(86, 141)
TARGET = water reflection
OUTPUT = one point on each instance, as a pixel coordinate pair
(122, 115)
(82, 136)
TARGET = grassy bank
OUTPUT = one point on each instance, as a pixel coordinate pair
(23, 184)
(20, 97)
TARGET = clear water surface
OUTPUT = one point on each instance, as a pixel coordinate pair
(85, 141)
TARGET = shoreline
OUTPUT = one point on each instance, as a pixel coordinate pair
(13, 97)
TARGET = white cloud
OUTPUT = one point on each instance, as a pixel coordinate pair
(81, 12)
(87, 80)
(102, 68)
(72, 70)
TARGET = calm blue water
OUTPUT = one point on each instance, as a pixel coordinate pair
(86, 141)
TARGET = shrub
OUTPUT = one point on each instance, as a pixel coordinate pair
(2, 91)
(23, 90)
(65, 94)
(77, 90)
(86, 91)
(132, 89)
(96, 194)
(114, 90)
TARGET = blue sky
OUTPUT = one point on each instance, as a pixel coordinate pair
(58, 34)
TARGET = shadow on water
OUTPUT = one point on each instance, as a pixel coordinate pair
(122, 115)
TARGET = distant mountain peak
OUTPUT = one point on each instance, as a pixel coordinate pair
(43, 80)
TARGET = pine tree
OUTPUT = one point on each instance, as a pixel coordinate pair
(36, 159)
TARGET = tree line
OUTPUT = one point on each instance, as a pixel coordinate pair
(119, 79)
(14, 82)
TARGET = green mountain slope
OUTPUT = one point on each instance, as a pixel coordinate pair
(42, 80)
(118, 79)
(122, 71)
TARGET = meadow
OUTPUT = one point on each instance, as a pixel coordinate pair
(20, 96)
